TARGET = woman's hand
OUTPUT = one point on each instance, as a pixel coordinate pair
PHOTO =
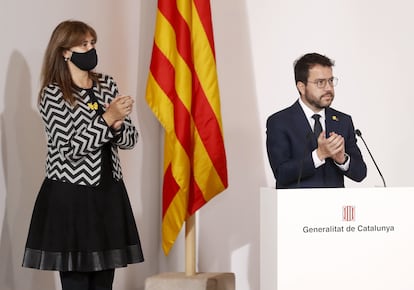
(117, 110)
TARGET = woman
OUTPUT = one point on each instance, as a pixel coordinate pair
(82, 223)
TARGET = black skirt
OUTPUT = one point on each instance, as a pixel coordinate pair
(83, 228)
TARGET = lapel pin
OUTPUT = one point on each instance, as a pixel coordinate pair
(93, 106)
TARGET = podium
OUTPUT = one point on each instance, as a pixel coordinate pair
(340, 238)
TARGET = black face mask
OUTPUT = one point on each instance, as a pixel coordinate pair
(85, 60)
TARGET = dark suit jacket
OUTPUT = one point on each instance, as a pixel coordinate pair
(290, 142)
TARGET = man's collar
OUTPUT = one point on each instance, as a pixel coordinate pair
(308, 112)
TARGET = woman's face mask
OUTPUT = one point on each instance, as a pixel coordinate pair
(85, 60)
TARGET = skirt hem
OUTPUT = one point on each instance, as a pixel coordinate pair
(82, 261)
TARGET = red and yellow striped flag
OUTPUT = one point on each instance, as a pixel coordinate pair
(182, 91)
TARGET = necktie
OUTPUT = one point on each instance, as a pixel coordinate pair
(317, 128)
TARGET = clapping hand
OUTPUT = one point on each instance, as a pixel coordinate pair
(117, 110)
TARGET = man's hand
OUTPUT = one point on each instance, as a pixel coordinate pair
(331, 147)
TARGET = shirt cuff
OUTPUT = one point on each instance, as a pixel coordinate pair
(316, 161)
(344, 166)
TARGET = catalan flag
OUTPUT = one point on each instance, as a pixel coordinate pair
(182, 91)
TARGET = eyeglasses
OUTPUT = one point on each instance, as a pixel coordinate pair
(321, 83)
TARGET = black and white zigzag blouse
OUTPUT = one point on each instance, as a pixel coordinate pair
(77, 133)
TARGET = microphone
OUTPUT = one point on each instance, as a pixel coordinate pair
(359, 134)
(303, 157)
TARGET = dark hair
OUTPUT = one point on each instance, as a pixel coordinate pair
(67, 34)
(308, 61)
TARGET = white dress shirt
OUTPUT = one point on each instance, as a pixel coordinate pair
(309, 113)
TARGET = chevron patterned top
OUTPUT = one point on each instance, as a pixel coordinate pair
(76, 134)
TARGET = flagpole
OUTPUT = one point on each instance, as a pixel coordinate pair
(190, 245)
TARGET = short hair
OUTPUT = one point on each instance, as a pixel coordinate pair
(303, 64)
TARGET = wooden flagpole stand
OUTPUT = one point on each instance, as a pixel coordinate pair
(190, 280)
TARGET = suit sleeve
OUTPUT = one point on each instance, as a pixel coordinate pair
(357, 170)
(288, 153)
(128, 136)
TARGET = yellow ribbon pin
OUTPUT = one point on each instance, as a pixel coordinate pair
(93, 106)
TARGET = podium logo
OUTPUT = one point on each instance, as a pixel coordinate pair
(348, 213)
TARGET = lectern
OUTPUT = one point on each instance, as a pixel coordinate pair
(347, 238)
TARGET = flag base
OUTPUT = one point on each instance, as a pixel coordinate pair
(199, 281)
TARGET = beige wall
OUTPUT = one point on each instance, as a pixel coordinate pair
(124, 43)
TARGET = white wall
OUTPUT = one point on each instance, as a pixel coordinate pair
(256, 43)
(371, 44)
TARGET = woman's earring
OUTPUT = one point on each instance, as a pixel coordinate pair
(66, 59)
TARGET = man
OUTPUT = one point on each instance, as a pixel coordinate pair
(298, 157)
